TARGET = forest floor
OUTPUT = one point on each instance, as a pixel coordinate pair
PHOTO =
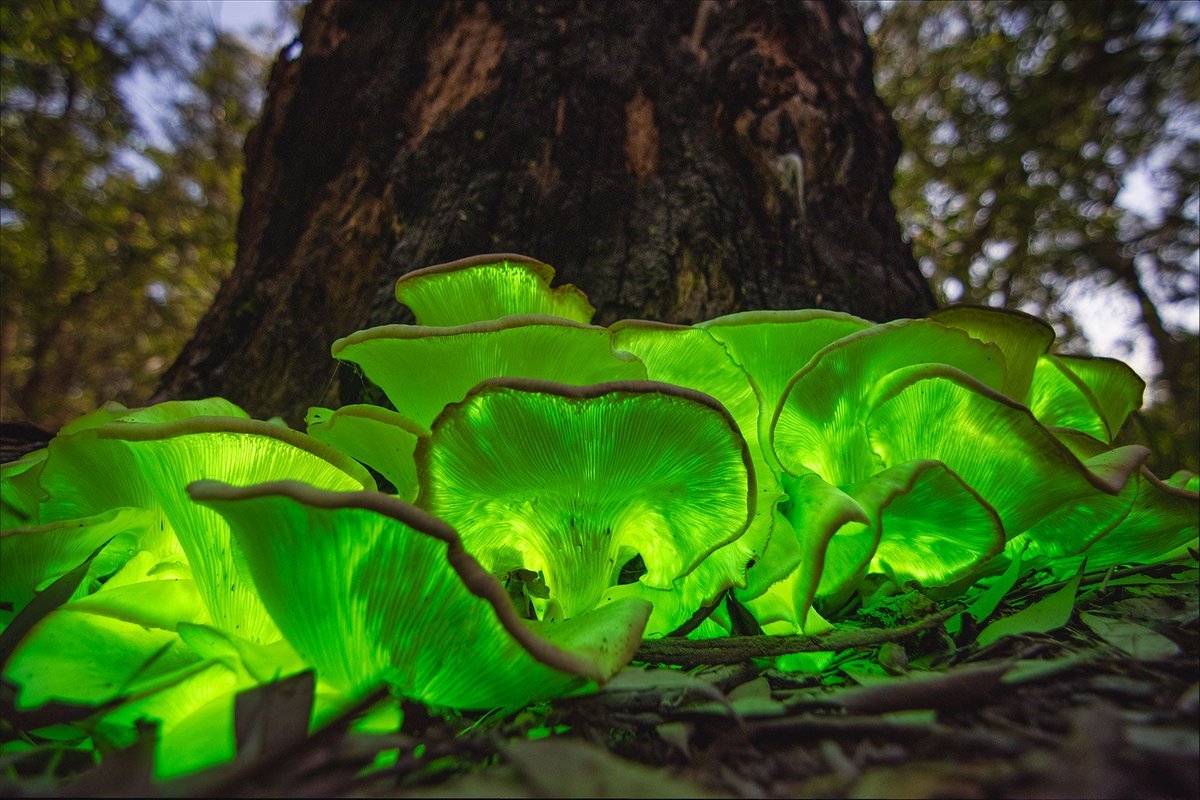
(1091, 692)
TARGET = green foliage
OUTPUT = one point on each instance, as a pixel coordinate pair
(1022, 125)
(110, 247)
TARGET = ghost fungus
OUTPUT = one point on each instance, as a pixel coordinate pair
(489, 287)
(1148, 521)
(692, 358)
(20, 493)
(819, 437)
(573, 482)
(1090, 395)
(147, 465)
(1022, 339)
(995, 445)
(818, 424)
(35, 555)
(115, 643)
(368, 588)
(422, 369)
(377, 437)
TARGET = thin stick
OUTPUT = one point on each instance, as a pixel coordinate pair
(734, 649)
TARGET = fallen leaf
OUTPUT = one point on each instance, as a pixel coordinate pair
(962, 687)
(1136, 640)
(1047, 614)
(563, 767)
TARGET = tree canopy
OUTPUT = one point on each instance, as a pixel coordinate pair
(113, 240)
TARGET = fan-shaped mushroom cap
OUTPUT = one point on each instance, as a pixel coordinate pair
(1147, 522)
(574, 481)
(489, 287)
(992, 443)
(772, 346)
(33, 556)
(422, 370)
(818, 425)
(147, 465)
(368, 588)
(377, 437)
(1092, 395)
(1021, 337)
(20, 493)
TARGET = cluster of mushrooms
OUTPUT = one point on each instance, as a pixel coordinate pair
(553, 492)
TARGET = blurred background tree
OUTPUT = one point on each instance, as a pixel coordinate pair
(1052, 164)
(113, 240)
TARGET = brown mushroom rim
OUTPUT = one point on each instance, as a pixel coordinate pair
(539, 268)
(375, 414)
(142, 432)
(396, 331)
(779, 317)
(473, 575)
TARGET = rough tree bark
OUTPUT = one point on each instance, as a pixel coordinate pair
(676, 161)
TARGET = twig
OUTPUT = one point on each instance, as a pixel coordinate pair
(734, 649)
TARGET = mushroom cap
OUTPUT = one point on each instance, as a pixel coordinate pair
(35, 555)
(997, 447)
(1085, 393)
(1021, 337)
(489, 287)
(1149, 521)
(771, 346)
(691, 357)
(368, 588)
(423, 369)
(20, 493)
(574, 481)
(147, 465)
(381, 439)
(818, 424)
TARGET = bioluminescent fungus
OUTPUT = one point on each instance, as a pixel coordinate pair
(383, 440)
(562, 490)
(575, 482)
(423, 369)
(370, 589)
(489, 287)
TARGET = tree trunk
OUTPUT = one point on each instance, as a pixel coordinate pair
(676, 161)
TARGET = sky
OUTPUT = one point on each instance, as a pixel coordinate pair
(1108, 317)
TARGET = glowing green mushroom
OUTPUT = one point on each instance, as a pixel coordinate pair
(369, 589)
(1148, 521)
(1022, 339)
(489, 287)
(995, 445)
(36, 555)
(692, 358)
(1092, 395)
(819, 438)
(573, 482)
(147, 465)
(818, 424)
(377, 437)
(772, 346)
(19, 490)
(423, 369)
